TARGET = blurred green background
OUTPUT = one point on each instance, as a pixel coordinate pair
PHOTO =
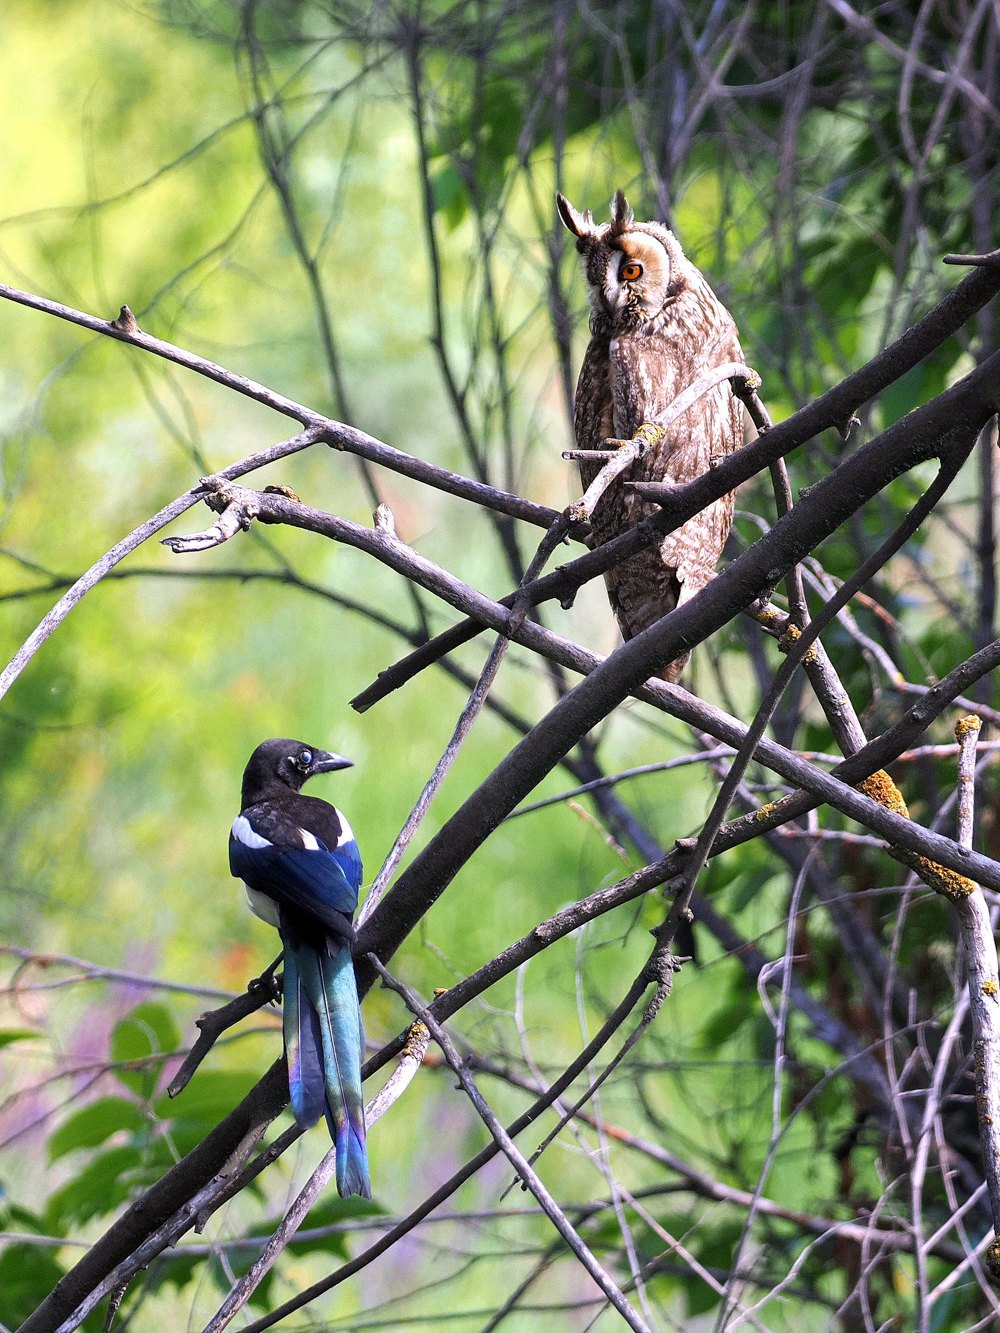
(252, 181)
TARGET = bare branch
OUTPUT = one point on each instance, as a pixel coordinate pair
(984, 994)
(517, 1159)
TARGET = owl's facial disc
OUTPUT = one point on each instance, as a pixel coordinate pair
(636, 279)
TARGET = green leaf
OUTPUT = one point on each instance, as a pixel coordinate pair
(15, 1217)
(208, 1098)
(27, 1275)
(95, 1123)
(173, 1269)
(726, 1019)
(98, 1189)
(210, 1094)
(11, 1035)
(450, 198)
(148, 1030)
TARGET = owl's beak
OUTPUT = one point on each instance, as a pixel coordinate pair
(606, 306)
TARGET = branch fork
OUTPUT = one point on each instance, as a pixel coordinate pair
(237, 507)
(619, 455)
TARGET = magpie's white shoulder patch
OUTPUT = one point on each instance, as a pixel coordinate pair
(346, 832)
(309, 841)
(245, 833)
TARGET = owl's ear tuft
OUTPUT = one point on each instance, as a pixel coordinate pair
(580, 224)
(622, 216)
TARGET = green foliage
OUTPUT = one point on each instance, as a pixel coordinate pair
(9, 1036)
(135, 171)
(202, 1104)
(27, 1274)
(94, 1124)
(100, 1185)
(148, 1031)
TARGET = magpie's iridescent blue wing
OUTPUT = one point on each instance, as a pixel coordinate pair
(304, 880)
(348, 857)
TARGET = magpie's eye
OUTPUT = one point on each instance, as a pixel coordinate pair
(631, 270)
(305, 758)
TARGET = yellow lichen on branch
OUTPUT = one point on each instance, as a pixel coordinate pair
(968, 725)
(789, 637)
(880, 787)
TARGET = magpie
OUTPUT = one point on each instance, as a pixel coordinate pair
(302, 870)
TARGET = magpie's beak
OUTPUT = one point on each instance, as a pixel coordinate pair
(324, 762)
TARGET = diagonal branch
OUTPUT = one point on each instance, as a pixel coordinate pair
(513, 1154)
(950, 423)
(831, 409)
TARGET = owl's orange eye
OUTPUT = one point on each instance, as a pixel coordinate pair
(631, 270)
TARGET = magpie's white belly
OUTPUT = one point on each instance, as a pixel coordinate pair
(262, 906)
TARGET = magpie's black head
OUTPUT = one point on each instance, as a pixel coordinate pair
(286, 763)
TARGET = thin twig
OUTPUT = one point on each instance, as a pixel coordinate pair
(334, 433)
(612, 1024)
(651, 432)
(517, 1159)
(470, 712)
(88, 971)
(984, 995)
(211, 1026)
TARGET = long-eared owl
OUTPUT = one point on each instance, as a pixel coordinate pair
(657, 327)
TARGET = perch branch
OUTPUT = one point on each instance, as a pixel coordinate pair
(402, 1076)
(649, 433)
(153, 1243)
(211, 1025)
(832, 409)
(991, 260)
(950, 424)
(270, 1095)
(724, 596)
(466, 1172)
(334, 433)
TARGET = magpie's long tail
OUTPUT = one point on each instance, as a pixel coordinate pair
(323, 1046)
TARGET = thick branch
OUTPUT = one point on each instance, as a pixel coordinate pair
(831, 409)
(950, 422)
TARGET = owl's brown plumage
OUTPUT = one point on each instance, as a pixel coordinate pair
(657, 327)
